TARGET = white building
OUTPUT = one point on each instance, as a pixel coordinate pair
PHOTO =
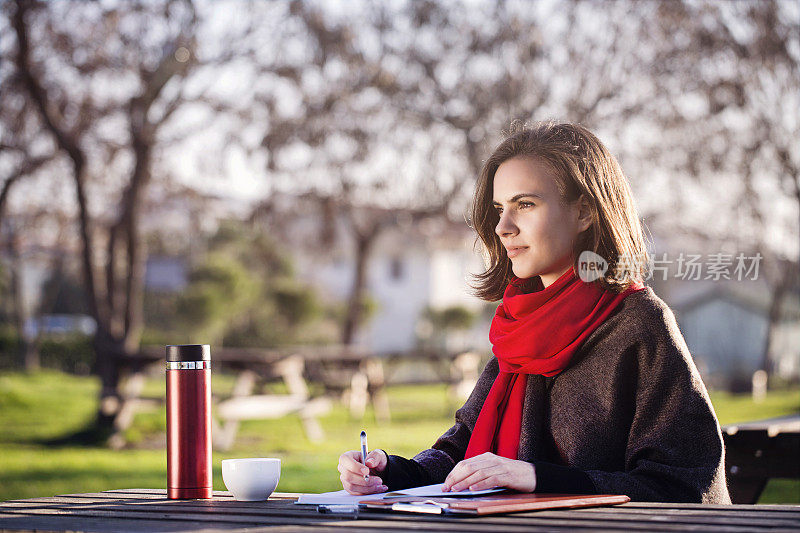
(725, 326)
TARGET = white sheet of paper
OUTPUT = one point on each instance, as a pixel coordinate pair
(436, 490)
(339, 497)
(343, 497)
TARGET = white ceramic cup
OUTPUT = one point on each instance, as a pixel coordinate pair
(251, 479)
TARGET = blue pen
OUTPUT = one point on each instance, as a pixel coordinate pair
(364, 451)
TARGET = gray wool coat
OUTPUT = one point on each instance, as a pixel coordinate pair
(630, 415)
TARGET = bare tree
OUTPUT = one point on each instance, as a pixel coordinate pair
(119, 90)
(727, 112)
(434, 86)
(97, 131)
(18, 147)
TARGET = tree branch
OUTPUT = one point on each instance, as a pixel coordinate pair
(66, 142)
(29, 166)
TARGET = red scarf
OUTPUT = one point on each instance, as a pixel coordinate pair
(535, 333)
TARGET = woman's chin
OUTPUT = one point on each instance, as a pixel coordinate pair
(522, 272)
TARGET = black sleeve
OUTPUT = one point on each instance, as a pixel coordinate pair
(402, 473)
(557, 479)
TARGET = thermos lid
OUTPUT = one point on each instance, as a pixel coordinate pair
(188, 352)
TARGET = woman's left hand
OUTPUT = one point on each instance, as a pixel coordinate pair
(488, 470)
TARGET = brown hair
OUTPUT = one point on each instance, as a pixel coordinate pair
(582, 166)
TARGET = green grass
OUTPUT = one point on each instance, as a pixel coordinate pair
(46, 405)
(733, 408)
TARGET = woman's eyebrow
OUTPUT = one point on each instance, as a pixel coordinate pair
(518, 197)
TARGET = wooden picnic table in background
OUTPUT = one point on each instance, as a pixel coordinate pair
(758, 451)
(355, 375)
(149, 510)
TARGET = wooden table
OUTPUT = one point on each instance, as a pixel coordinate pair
(149, 510)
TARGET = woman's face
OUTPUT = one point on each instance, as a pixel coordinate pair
(537, 231)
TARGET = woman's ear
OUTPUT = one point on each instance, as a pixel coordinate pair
(585, 213)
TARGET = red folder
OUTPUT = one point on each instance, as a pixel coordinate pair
(509, 502)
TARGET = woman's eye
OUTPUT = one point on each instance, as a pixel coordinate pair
(520, 205)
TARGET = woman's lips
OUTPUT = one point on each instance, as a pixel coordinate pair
(515, 251)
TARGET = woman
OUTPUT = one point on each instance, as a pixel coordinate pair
(592, 388)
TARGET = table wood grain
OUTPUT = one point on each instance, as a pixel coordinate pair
(148, 510)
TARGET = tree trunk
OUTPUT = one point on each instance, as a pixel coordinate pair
(135, 247)
(28, 353)
(107, 350)
(785, 282)
(355, 305)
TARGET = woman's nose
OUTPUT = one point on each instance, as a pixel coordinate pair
(505, 226)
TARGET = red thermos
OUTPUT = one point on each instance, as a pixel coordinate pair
(189, 421)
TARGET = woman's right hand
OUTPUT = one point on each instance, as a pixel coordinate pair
(352, 472)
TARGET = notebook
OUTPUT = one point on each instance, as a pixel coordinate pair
(342, 497)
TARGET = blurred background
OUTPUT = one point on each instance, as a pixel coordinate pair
(288, 181)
